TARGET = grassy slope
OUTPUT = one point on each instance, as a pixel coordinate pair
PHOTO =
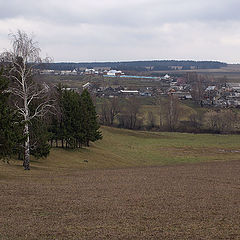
(126, 148)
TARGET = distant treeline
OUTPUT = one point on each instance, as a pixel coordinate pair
(138, 65)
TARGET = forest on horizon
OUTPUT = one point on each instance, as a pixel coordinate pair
(155, 65)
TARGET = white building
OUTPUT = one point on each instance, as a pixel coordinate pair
(166, 77)
(47, 72)
(211, 88)
(90, 71)
(114, 73)
(129, 92)
(87, 85)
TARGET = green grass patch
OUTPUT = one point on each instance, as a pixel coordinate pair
(122, 148)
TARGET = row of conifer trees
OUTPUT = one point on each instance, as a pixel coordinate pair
(75, 123)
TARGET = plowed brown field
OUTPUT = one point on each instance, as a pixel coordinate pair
(188, 201)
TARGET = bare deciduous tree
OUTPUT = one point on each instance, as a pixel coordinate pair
(160, 103)
(196, 120)
(150, 119)
(109, 110)
(128, 116)
(221, 121)
(172, 112)
(114, 109)
(197, 85)
(22, 60)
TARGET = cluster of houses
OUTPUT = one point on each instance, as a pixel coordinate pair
(59, 72)
(222, 96)
(168, 86)
(119, 91)
(90, 71)
(104, 72)
(226, 95)
(218, 95)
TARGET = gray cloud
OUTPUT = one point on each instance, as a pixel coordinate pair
(112, 12)
(129, 29)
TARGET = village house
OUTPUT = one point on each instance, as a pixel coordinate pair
(115, 73)
(68, 72)
(90, 71)
(129, 92)
(233, 86)
(87, 85)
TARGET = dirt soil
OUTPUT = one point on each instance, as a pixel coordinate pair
(189, 201)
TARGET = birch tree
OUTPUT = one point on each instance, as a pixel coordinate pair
(22, 60)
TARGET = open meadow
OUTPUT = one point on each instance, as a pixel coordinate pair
(132, 184)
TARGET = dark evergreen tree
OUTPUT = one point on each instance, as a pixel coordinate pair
(53, 129)
(90, 123)
(39, 138)
(76, 123)
(10, 129)
(56, 126)
(71, 112)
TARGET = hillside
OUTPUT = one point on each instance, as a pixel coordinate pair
(125, 148)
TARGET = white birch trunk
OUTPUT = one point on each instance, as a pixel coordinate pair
(26, 161)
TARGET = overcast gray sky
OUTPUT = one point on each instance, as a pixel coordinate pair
(114, 30)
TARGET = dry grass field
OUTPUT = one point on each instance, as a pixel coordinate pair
(136, 185)
(191, 201)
